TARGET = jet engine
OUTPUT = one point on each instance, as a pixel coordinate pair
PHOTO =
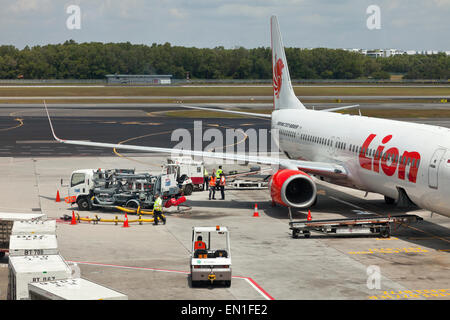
(293, 188)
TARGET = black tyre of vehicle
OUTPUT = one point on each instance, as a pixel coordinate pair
(83, 204)
(227, 283)
(132, 204)
(385, 232)
(188, 190)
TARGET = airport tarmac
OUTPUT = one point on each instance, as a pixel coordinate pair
(26, 132)
(152, 262)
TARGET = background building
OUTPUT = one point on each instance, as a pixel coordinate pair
(142, 79)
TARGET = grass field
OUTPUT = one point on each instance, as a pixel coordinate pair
(219, 91)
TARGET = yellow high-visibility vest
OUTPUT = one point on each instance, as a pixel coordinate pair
(218, 172)
(158, 205)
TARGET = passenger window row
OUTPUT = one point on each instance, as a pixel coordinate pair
(368, 152)
(287, 133)
(358, 149)
(314, 139)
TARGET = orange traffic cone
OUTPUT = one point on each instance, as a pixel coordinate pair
(125, 223)
(255, 213)
(309, 218)
(74, 221)
(58, 199)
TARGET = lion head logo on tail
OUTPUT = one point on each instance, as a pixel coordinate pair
(277, 72)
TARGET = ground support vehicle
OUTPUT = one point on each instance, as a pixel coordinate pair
(212, 264)
(371, 225)
(91, 188)
(193, 170)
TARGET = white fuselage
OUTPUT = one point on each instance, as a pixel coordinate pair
(394, 154)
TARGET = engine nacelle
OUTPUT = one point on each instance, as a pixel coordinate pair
(293, 188)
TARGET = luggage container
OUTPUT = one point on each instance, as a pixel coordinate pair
(10, 216)
(34, 227)
(30, 269)
(72, 289)
(5, 233)
(33, 245)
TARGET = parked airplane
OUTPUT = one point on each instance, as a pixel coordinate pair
(403, 161)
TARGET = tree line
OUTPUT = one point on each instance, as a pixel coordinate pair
(94, 60)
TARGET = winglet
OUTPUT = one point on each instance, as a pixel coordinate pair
(51, 125)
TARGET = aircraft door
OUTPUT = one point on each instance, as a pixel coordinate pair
(433, 168)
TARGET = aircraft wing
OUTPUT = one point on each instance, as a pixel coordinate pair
(318, 168)
(339, 108)
(262, 115)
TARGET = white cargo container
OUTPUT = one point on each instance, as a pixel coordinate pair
(11, 216)
(29, 269)
(34, 227)
(33, 245)
(72, 289)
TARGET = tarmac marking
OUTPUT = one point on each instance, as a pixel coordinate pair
(347, 203)
(387, 239)
(391, 250)
(16, 126)
(412, 294)
(249, 280)
(135, 138)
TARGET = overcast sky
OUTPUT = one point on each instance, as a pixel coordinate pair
(405, 24)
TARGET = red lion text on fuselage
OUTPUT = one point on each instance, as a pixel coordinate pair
(389, 160)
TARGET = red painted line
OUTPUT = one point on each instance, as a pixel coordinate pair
(128, 267)
(264, 292)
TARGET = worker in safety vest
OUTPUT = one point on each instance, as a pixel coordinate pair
(157, 210)
(218, 172)
(212, 187)
(222, 185)
(205, 180)
(199, 244)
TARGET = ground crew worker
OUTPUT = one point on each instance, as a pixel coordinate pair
(218, 172)
(199, 244)
(157, 211)
(205, 180)
(212, 187)
(222, 186)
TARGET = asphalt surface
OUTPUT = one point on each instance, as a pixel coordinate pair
(25, 131)
(148, 262)
(152, 262)
(25, 134)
